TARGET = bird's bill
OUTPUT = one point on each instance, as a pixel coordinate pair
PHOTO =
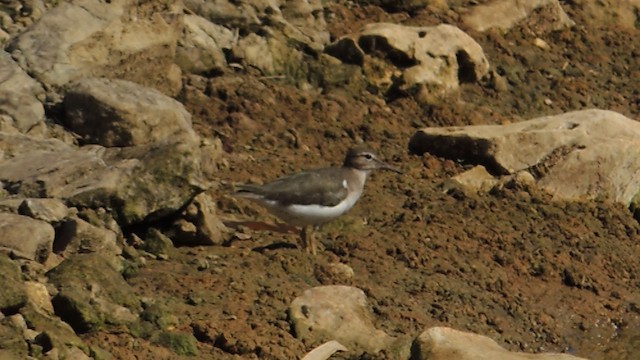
(384, 166)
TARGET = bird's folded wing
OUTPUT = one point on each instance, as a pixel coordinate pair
(324, 188)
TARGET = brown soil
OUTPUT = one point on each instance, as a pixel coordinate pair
(533, 274)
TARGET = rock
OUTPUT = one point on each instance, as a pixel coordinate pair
(13, 295)
(19, 94)
(200, 225)
(12, 345)
(81, 39)
(101, 218)
(428, 62)
(179, 342)
(26, 237)
(50, 210)
(11, 205)
(121, 113)
(18, 14)
(602, 13)
(38, 297)
(137, 183)
(505, 14)
(300, 21)
(157, 243)
(442, 343)
(338, 313)
(477, 179)
(324, 351)
(54, 335)
(589, 154)
(78, 236)
(202, 45)
(92, 294)
(279, 34)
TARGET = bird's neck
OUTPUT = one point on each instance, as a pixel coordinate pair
(357, 178)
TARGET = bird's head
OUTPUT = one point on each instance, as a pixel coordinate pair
(363, 158)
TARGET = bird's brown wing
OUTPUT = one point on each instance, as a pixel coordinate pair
(322, 187)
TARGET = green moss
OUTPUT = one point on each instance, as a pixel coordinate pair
(179, 343)
(12, 296)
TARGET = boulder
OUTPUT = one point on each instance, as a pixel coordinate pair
(92, 294)
(157, 243)
(505, 14)
(20, 96)
(13, 295)
(82, 38)
(25, 237)
(581, 155)
(300, 21)
(202, 45)
(38, 297)
(52, 211)
(442, 343)
(121, 113)
(54, 336)
(476, 179)
(12, 345)
(279, 34)
(136, 183)
(78, 236)
(340, 313)
(199, 224)
(427, 62)
(18, 14)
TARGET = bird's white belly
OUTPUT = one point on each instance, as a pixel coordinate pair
(303, 215)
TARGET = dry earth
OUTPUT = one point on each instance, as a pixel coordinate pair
(533, 274)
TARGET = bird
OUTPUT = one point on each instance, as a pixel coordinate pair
(311, 198)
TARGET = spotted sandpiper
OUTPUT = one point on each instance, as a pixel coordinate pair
(311, 198)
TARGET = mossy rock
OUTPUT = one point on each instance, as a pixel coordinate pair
(92, 294)
(179, 343)
(12, 296)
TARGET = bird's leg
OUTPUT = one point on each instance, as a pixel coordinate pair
(304, 238)
(312, 240)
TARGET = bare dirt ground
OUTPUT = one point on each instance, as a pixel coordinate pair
(533, 274)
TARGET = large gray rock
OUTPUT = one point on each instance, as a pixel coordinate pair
(38, 297)
(53, 334)
(301, 21)
(92, 294)
(20, 96)
(121, 113)
(505, 14)
(589, 154)
(202, 45)
(25, 237)
(428, 62)
(136, 183)
(52, 211)
(338, 313)
(83, 38)
(278, 33)
(13, 295)
(12, 345)
(78, 236)
(441, 343)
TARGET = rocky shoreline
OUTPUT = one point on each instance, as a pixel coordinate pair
(114, 162)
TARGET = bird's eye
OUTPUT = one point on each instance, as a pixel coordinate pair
(368, 156)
